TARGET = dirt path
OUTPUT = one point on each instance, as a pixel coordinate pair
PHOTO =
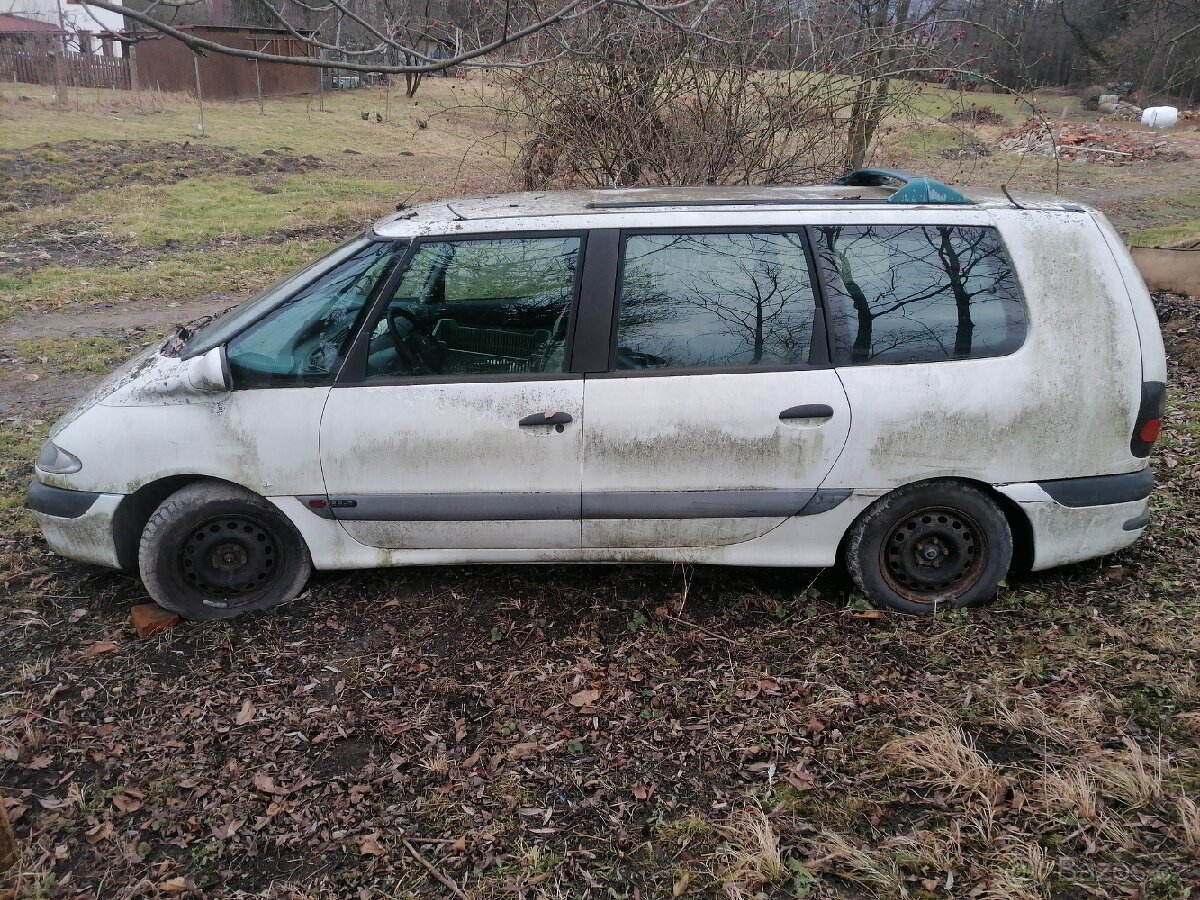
(134, 325)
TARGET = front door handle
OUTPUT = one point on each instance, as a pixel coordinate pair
(808, 411)
(549, 418)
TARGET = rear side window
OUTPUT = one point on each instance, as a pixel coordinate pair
(900, 293)
(714, 300)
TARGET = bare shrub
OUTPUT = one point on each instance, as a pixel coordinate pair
(653, 105)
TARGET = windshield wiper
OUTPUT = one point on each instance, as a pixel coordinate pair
(183, 333)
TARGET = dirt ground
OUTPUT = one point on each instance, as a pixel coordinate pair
(582, 732)
(50, 173)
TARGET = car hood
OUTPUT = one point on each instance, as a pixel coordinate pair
(149, 379)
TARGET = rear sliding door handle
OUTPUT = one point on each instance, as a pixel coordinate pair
(808, 411)
(549, 418)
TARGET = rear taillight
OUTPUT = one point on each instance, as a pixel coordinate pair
(1149, 420)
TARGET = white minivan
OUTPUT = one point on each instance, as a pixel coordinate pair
(929, 386)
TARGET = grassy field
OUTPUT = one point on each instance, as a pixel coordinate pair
(599, 732)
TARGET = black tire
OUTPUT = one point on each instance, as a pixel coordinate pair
(214, 551)
(930, 546)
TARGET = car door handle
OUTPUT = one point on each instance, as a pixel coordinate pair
(548, 418)
(808, 411)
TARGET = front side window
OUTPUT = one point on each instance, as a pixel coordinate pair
(478, 307)
(220, 330)
(918, 293)
(301, 340)
(714, 300)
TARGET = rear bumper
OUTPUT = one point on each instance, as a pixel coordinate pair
(1075, 519)
(1100, 490)
(77, 524)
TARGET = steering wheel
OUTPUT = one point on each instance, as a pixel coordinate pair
(418, 350)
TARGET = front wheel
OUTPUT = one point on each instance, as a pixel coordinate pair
(930, 546)
(214, 551)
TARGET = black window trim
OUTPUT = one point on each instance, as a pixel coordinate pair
(1004, 351)
(315, 381)
(819, 347)
(353, 372)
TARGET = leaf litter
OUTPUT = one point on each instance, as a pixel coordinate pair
(498, 732)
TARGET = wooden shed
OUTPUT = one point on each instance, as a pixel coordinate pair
(165, 63)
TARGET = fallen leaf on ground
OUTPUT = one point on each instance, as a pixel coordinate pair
(583, 698)
(643, 791)
(247, 712)
(369, 845)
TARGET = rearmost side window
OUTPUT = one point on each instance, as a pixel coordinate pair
(918, 293)
(714, 300)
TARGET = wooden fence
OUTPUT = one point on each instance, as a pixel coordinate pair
(84, 70)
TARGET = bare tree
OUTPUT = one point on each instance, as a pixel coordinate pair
(378, 36)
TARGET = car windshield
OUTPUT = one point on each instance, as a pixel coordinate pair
(220, 330)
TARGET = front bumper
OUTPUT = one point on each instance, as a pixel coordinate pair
(77, 524)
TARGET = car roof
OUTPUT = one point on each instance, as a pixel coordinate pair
(520, 211)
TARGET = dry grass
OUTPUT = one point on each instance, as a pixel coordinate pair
(1072, 792)
(944, 757)
(1022, 873)
(1133, 777)
(752, 856)
(929, 851)
(835, 853)
(1189, 823)
(437, 765)
(1086, 709)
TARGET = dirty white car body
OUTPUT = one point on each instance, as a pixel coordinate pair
(662, 463)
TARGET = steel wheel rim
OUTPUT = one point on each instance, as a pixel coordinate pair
(934, 554)
(229, 560)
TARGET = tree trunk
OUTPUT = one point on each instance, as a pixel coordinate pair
(870, 97)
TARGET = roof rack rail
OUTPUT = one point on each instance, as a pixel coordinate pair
(913, 188)
(759, 201)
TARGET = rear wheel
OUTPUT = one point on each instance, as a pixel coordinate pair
(930, 546)
(213, 551)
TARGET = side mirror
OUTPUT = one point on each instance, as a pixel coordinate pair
(209, 372)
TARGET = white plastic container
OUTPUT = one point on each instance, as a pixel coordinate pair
(1160, 116)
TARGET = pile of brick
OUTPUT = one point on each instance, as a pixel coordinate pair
(1089, 143)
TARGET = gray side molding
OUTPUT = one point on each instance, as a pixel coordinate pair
(489, 507)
